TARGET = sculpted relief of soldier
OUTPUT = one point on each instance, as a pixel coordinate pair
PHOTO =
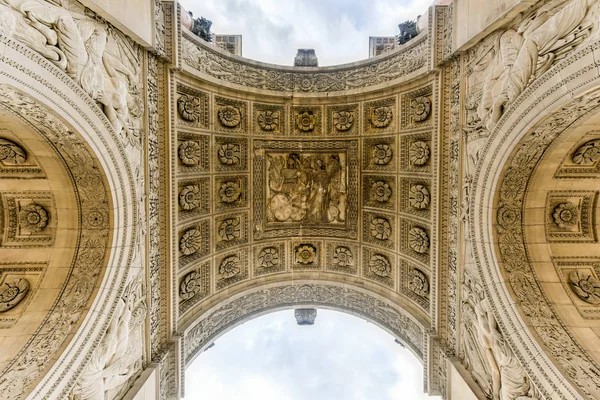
(306, 188)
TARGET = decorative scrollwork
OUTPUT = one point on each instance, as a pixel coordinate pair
(14, 292)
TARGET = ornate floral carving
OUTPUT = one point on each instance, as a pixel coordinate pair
(13, 293)
(229, 154)
(306, 254)
(11, 153)
(421, 107)
(566, 215)
(305, 316)
(190, 286)
(268, 257)
(585, 286)
(343, 120)
(229, 192)
(229, 229)
(588, 153)
(189, 107)
(230, 267)
(190, 152)
(380, 265)
(418, 240)
(343, 257)
(381, 191)
(418, 153)
(190, 242)
(230, 116)
(381, 116)
(268, 120)
(382, 154)
(189, 197)
(33, 217)
(419, 197)
(418, 282)
(305, 121)
(380, 228)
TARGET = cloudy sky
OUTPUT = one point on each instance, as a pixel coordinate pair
(338, 30)
(341, 357)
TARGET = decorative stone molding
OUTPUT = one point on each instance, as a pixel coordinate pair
(305, 316)
(14, 292)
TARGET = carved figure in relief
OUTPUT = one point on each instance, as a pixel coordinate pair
(306, 188)
(101, 60)
(523, 54)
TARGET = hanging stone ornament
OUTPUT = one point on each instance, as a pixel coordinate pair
(418, 197)
(12, 292)
(190, 152)
(305, 316)
(33, 217)
(190, 242)
(381, 116)
(380, 266)
(343, 120)
(381, 191)
(229, 267)
(342, 257)
(305, 254)
(230, 116)
(382, 154)
(305, 121)
(189, 108)
(418, 153)
(421, 107)
(418, 283)
(588, 153)
(189, 197)
(229, 154)
(268, 257)
(268, 120)
(566, 215)
(585, 286)
(230, 229)
(11, 153)
(418, 240)
(230, 192)
(190, 286)
(380, 228)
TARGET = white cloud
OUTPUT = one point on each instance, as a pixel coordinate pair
(338, 30)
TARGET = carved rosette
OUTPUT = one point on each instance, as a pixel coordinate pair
(229, 192)
(588, 153)
(418, 153)
(190, 242)
(585, 286)
(566, 215)
(305, 121)
(33, 217)
(190, 152)
(418, 240)
(306, 254)
(268, 257)
(229, 267)
(418, 283)
(419, 197)
(11, 293)
(421, 108)
(382, 154)
(343, 120)
(229, 154)
(230, 116)
(189, 197)
(230, 229)
(380, 266)
(190, 286)
(380, 228)
(381, 116)
(381, 191)
(11, 153)
(342, 257)
(189, 108)
(268, 120)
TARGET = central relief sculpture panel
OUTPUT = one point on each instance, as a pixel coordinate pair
(305, 188)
